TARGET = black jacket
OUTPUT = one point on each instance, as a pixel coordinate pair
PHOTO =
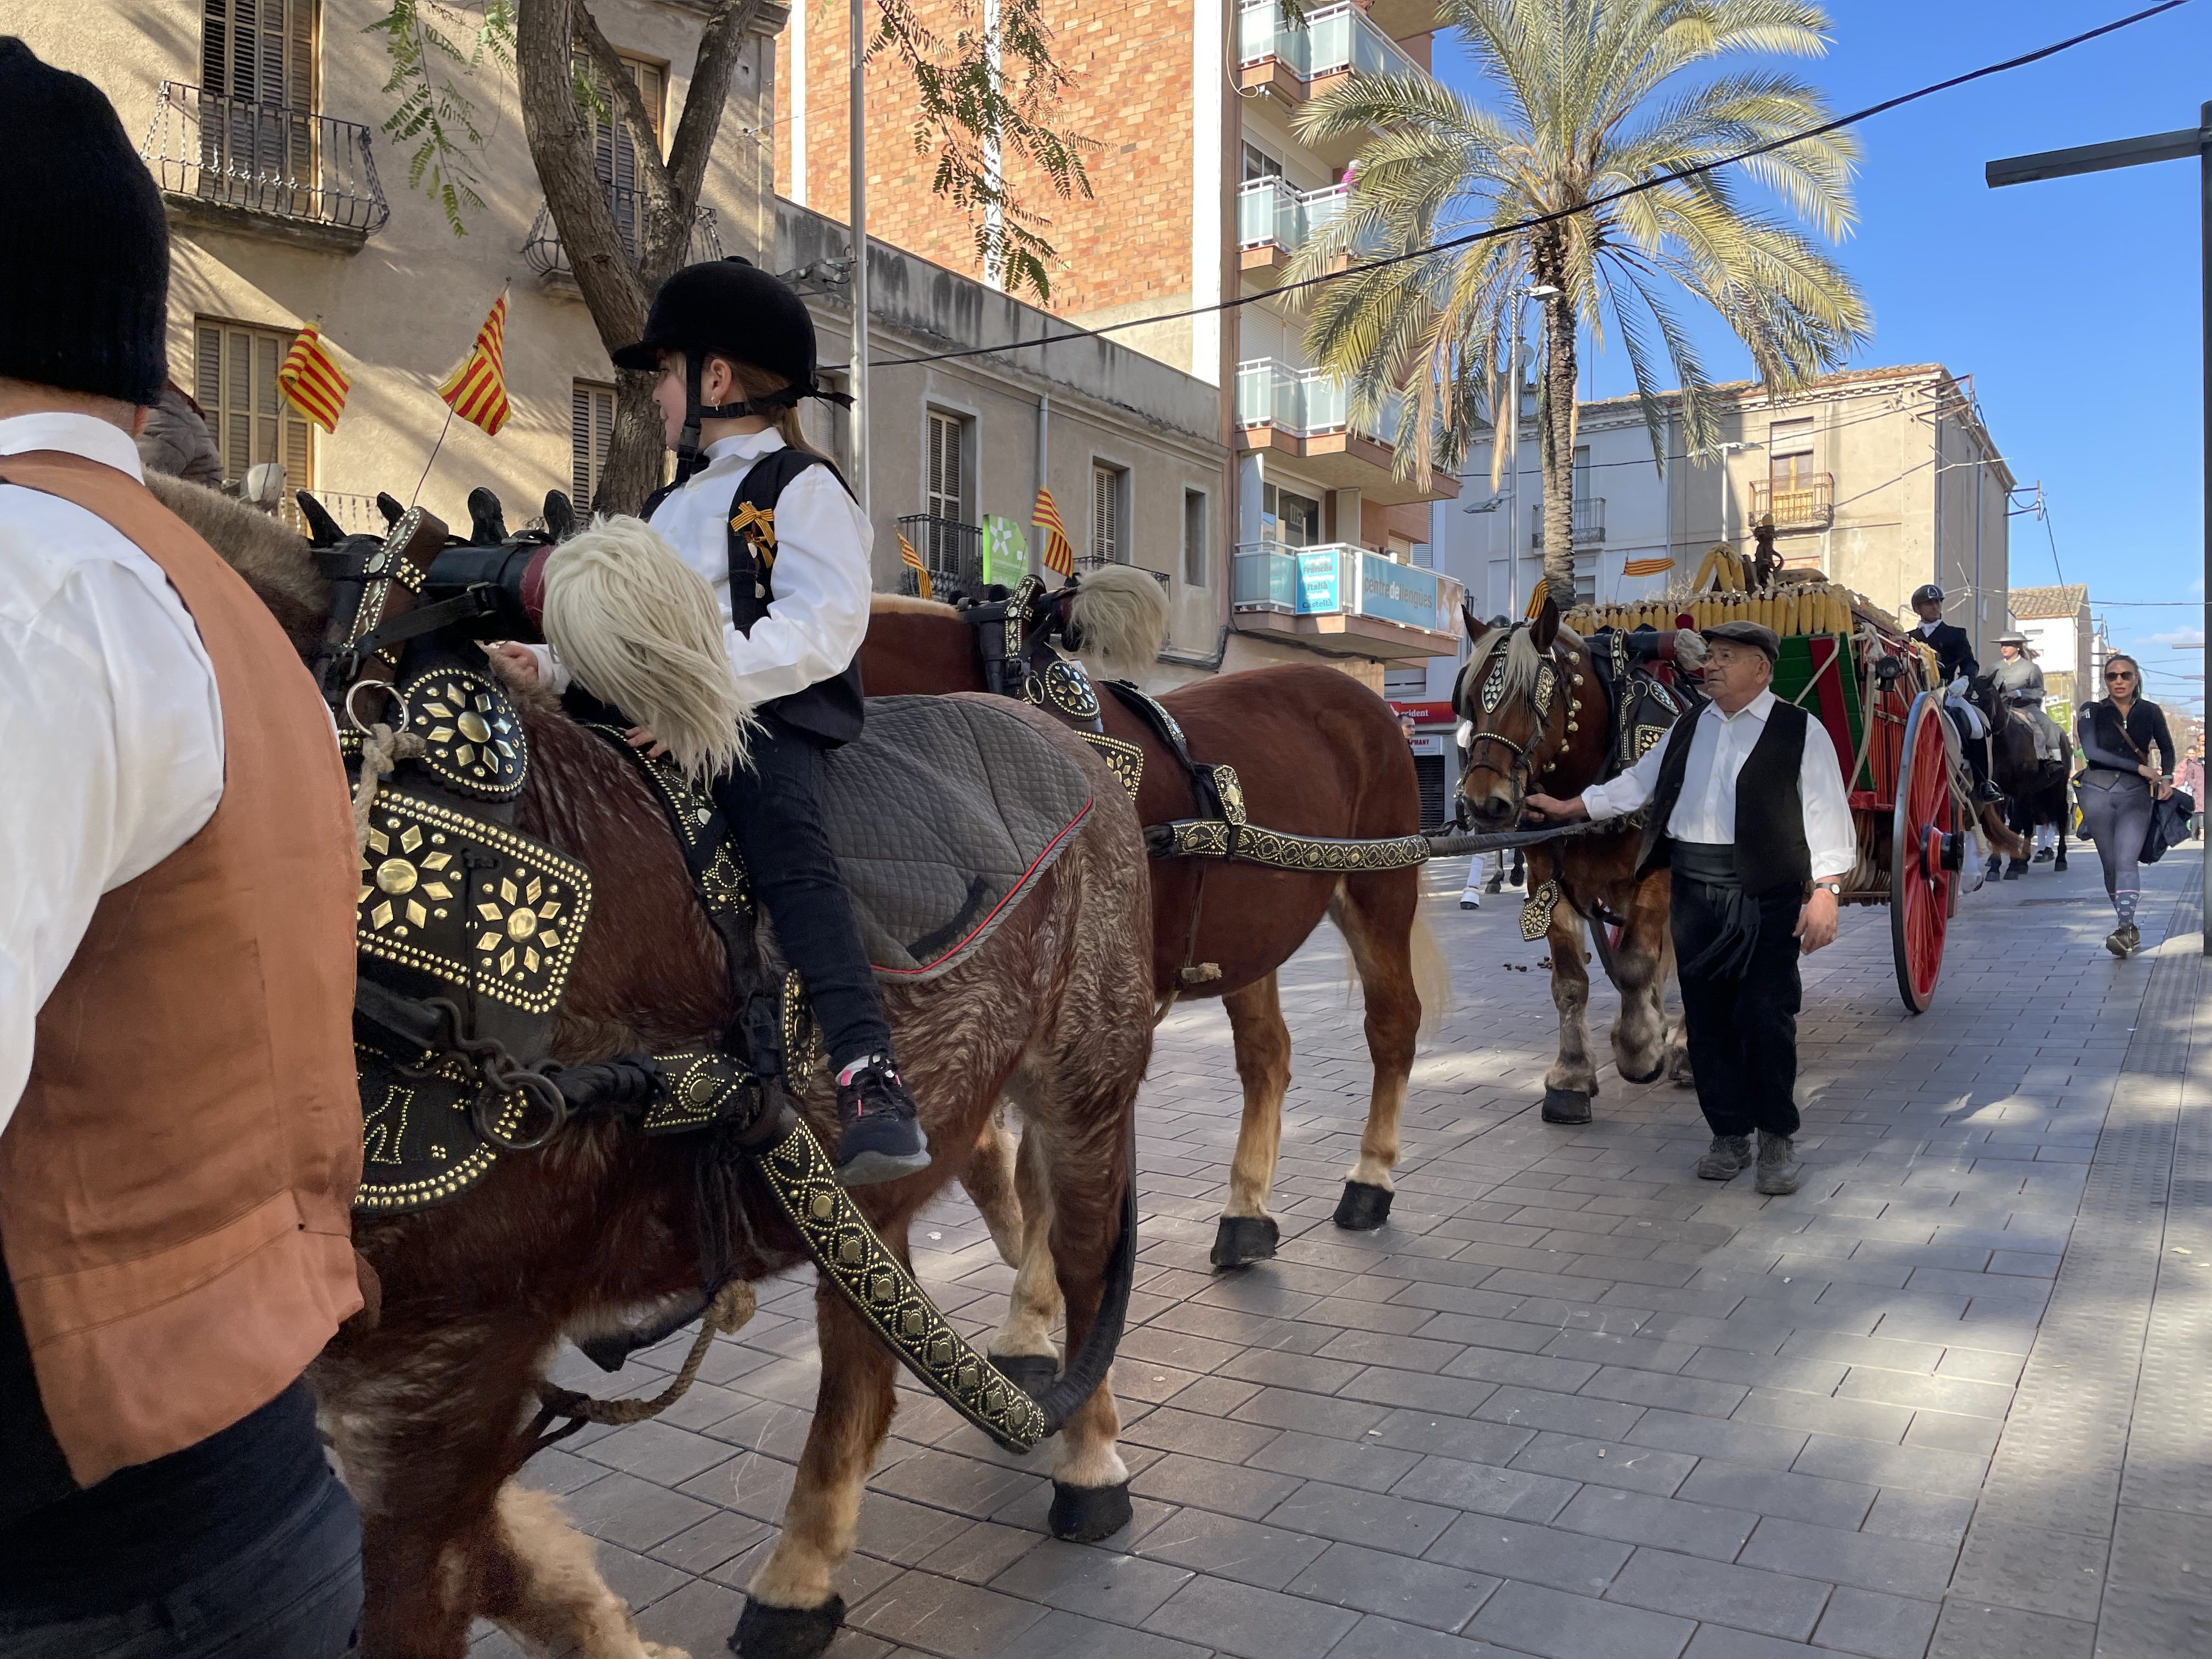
(1954, 652)
(2098, 739)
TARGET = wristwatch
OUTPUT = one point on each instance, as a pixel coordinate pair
(1834, 888)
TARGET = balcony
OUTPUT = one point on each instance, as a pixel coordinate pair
(1296, 62)
(952, 551)
(1590, 522)
(1344, 600)
(1273, 220)
(1306, 413)
(263, 170)
(550, 259)
(1805, 502)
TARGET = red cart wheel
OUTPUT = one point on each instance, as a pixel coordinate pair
(1925, 854)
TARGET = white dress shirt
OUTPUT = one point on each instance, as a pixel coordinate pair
(1706, 809)
(110, 724)
(823, 578)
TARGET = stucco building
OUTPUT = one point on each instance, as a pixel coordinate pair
(2061, 634)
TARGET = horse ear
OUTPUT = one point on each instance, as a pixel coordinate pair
(560, 516)
(1545, 629)
(322, 529)
(487, 519)
(1476, 626)
(389, 506)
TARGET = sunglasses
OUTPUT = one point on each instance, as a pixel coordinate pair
(2121, 674)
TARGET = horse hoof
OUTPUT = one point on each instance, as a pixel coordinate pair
(1362, 1208)
(1243, 1239)
(1651, 1076)
(767, 1632)
(2015, 869)
(1032, 1373)
(1084, 1515)
(1566, 1106)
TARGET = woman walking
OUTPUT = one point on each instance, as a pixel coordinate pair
(2118, 783)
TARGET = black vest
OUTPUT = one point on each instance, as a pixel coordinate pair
(828, 710)
(1770, 813)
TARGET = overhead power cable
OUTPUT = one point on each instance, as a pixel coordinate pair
(1554, 217)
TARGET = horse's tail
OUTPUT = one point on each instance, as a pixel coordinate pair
(1119, 615)
(639, 629)
(1432, 974)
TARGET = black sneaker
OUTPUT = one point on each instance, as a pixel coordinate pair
(880, 1134)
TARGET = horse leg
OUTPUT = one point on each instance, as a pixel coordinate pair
(1573, 1079)
(2059, 864)
(1376, 915)
(1639, 973)
(542, 1585)
(1247, 1233)
(989, 1183)
(1021, 1347)
(792, 1610)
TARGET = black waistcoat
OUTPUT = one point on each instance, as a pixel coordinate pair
(830, 710)
(1770, 815)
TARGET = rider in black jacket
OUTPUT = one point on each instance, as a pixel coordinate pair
(1954, 662)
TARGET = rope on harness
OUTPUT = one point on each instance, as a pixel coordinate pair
(732, 1306)
(381, 749)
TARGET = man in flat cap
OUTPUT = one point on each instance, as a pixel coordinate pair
(1748, 809)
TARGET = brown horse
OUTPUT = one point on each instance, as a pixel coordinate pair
(601, 1227)
(1317, 754)
(1557, 743)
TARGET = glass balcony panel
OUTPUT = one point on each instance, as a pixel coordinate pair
(1255, 394)
(1326, 403)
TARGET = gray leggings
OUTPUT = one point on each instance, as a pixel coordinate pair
(2118, 815)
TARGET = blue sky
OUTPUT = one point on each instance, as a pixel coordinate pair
(2076, 303)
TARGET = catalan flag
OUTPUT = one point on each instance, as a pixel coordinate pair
(313, 383)
(912, 560)
(1059, 551)
(477, 390)
(1647, 567)
(1536, 596)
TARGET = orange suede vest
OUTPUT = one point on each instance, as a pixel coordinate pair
(175, 1184)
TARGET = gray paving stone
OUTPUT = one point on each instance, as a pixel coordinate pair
(1229, 1547)
(1096, 1583)
(2153, 1625)
(1954, 1474)
(1387, 1522)
(1364, 1463)
(1485, 1489)
(1639, 1518)
(1474, 1442)
(2034, 1568)
(1840, 1504)
(1712, 1591)
(1974, 1630)
(1703, 1437)
(1065, 1636)
(1250, 1623)
(944, 1616)
(1925, 1515)
(1877, 1626)
(1376, 1638)
(1536, 1620)
(2163, 1550)
(1534, 1408)
(1607, 1463)
(1896, 1566)
(1422, 1593)
(1195, 1482)
(1518, 1551)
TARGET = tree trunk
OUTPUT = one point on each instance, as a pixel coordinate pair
(1556, 428)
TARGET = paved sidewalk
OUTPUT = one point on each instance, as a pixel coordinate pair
(1949, 1400)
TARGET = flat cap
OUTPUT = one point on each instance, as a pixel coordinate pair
(1748, 633)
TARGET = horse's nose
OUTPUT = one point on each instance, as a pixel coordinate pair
(1493, 808)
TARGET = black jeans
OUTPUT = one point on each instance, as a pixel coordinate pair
(775, 806)
(1742, 1027)
(295, 1595)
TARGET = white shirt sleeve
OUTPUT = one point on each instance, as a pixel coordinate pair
(552, 673)
(1620, 796)
(112, 731)
(1831, 837)
(822, 580)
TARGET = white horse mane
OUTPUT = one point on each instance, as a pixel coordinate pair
(1518, 642)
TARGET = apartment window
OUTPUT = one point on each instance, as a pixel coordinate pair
(1193, 537)
(1109, 487)
(260, 50)
(1790, 455)
(1258, 164)
(235, 378)
(591, 432)
(1288, 518)
(613, 147)
(947, 495)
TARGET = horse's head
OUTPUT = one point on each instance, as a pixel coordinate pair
(1982, 692)
(1524, 691)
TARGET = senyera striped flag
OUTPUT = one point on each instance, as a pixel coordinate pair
(1647, 567)
(477, 390)
(312, 382)
(1059, 551)
(912, 560)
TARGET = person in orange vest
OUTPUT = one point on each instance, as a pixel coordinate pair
(179, 1127)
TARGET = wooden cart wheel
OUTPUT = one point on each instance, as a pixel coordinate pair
(1925, 849)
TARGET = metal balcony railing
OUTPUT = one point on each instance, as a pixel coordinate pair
(1590, 522)
(1332, 39)
(952, 551)
(1338, 578)
(550, 260)
(265, 158)
(1807, 502)
(1270, 214)
(1308, 403)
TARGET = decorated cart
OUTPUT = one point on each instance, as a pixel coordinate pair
(1873, 687)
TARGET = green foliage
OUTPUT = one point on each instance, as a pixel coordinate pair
(433, 49)
(1586, 98)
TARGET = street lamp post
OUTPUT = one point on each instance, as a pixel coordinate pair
(2137, 152)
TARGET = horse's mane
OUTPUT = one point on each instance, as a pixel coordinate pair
(271, 557)
(907, 604)
(1519, 643)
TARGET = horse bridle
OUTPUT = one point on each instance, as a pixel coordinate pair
(1542, 698)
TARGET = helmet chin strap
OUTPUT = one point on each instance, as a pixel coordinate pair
(690, 454)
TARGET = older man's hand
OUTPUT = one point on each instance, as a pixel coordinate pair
(1552, 809)
(1816, 922)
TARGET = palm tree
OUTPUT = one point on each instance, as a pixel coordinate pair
(1592, 96)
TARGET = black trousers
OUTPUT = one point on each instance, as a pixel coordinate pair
(775, 806)
(1742, 1027)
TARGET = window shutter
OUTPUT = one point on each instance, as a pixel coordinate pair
(235, 381)
(944, 501)
(1106, 514)
(1193, 538)
(591, 434)
(260, 50)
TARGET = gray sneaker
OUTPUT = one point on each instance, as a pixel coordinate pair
(1727, 1158)
(2123, 940)
(1779, 1167)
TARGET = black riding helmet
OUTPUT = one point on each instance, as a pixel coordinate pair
(1921, 595)
(730, 308)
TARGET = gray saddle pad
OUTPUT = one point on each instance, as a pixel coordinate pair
(943, 814)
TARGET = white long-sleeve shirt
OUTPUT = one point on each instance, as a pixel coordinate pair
(1706, 809)
(823, 578)
(111, 727)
